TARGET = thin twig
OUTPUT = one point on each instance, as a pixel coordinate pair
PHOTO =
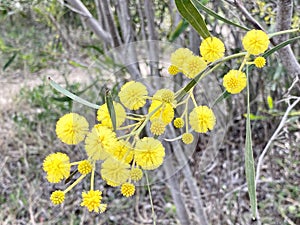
(282, 122)
(78, 7)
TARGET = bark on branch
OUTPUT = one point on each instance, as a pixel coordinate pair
(90, 20)
(283, 22)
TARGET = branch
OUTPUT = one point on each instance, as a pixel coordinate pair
(283, 22)
(192, 185)
(116, 40)
(78, 7)
(152, 35)
(282, 122)
(174, 187)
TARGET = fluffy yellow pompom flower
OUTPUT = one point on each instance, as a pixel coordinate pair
(157, 126)
(167, 96)
(104, 117)
(85, 167)
(99, 141)
(133, 95)
(122, 150)
(234, 81)
(57, 197)
(212, 49)
(256, 42)
(187, 138)
(91, 200)
(179, 56)
(173, 70)
(260, 62)
(57, 166)
(202, 119)
(127, 189)
(136, 174)
(178, 123)
(149, 153)
(193, 65)
(114, 172)
(71, 128)
(166, 111)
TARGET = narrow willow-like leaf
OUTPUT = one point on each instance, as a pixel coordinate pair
(249, 160)
(71, 95)
(223, 96)
(189, 12)
(11, 59)
(76, 64)
(270, 102)
(199, 5)
(111, 109)
(279, 46)
(181, 27)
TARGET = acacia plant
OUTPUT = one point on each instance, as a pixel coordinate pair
(127, 140)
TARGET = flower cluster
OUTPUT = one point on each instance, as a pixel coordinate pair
(118, 146)
(183, 60)
(123, 154)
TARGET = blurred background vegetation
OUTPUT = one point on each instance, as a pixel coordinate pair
(54, 38)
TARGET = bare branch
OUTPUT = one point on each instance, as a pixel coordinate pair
(78, 7)
(152, 35)
(175, 190)
(239, 4)
(283, 22)
(282, 122)
(116, 40)
(128, 36)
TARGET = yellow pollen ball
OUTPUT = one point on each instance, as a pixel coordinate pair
(167, 96)
(127, 189)
(212, 49)
(173, 70)
(133, 95)
(157, 126)
(57, 197)
(234, 81)
(260, 62)
(187, 138)
(104, 117)
(114, 172)
(149, 153)
(136, 174)
(178, 123)
(179, 56)
(193, 65)
(91, 200)
(85, 167)
(71, 128)
(256, 42)
(57, 166)
(202, 119)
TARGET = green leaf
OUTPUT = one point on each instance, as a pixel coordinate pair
(11, 59)
(181, 27)
(270, 102)
(223, 96)
(111, 109)
(71, 95)
(199, 5)
(189, 12)
(99, 50)
(76, 64)
(255, 117)
(249, 160)
(279, 46)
